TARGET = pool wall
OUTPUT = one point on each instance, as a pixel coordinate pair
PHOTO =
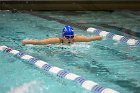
(85, 5)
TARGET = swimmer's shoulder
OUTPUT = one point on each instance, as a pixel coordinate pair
(79, 38)
(61, 39)
(54, 40)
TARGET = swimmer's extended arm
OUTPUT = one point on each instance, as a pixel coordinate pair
(87, 39)
(42, 42)
(95, 38)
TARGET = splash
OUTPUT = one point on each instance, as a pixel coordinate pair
(25, 88)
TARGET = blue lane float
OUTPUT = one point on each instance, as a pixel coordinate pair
(87, 84)
(122, 39)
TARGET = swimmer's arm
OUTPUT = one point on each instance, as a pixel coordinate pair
(87, 39)
(42, 42)
(95, 38)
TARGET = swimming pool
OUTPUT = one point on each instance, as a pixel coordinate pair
(107, 62)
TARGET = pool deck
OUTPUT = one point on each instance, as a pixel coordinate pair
(63, 5)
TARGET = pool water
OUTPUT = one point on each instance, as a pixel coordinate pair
(117, 22)
(106, 62)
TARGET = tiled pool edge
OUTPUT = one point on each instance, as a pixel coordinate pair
(87, 84)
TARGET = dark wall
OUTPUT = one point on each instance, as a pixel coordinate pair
(70, 5)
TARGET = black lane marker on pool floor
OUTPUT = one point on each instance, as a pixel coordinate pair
(59, 20)
(121, 29)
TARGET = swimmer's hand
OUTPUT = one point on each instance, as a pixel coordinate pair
(34, 42)
(25, 42)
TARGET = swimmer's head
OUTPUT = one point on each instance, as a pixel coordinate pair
(68, 32)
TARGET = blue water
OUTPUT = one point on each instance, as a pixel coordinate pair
(107, 62)
(111, 21)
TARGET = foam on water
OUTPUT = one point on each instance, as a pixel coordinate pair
(24, 88)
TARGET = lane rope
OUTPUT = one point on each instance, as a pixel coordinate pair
(87, 84)
(108, 35)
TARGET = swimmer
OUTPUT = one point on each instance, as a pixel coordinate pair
(68, 37)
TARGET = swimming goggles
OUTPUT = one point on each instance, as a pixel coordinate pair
(69, 36)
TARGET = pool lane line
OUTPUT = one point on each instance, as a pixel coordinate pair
(83, 27)
(87, 84)
(108, 35)
(57, 20)
(135, 35)
(121, 29)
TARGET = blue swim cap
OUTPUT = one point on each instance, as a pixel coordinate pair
(67, 30)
